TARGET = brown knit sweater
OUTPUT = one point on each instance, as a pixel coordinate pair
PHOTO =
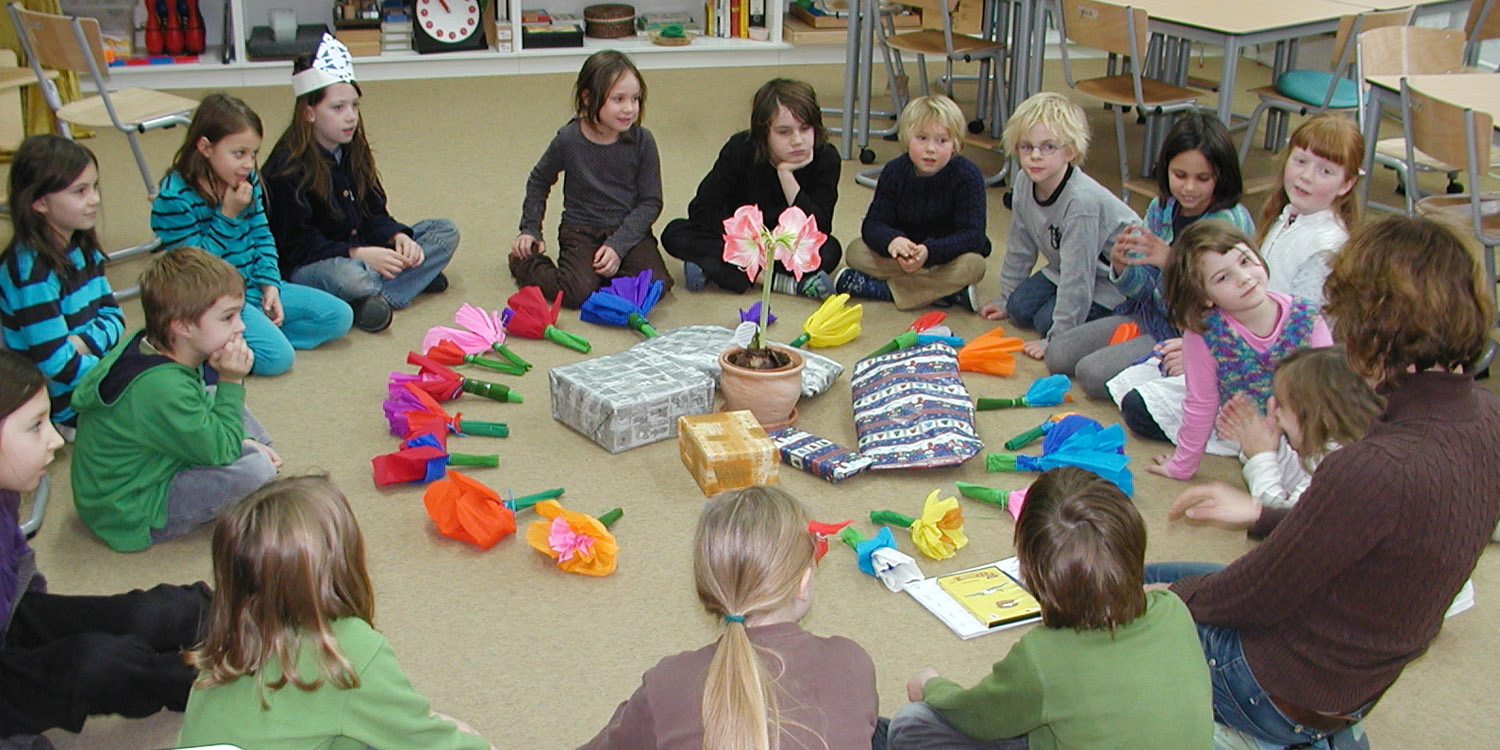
(1352, 582)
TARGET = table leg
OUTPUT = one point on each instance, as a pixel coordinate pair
(1226, 79)
(1372, 134)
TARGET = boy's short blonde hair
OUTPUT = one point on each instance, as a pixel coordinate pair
(1054, 112)
(180, 285)
(928, 110)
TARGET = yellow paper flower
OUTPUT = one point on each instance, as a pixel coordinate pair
(940, 530)
(578, 542)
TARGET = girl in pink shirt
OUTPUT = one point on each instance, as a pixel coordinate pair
(1234, 331)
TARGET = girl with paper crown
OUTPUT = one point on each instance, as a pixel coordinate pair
(327, 206)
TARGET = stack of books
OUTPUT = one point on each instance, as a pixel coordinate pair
(733, 19)
(540, 28)
(395, 27)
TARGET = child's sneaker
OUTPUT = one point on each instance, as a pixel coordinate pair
(814, 285)
(438, 285)
(693, 277)
(965, 298)
(372, 314)
(859, 284)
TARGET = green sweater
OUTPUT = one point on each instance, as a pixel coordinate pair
(142, 419)
(1147, 687)
(384, 711)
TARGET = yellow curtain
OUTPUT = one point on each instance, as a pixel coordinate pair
(33, 107)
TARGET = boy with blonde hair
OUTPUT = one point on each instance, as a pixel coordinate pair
(1061, 214)
(923, 239)
(164, 438)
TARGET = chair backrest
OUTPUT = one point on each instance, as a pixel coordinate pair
(1352, 26)
(1458, 137)
(52, 41)
(1483, 21)
(1410, 50)
(1106, 27)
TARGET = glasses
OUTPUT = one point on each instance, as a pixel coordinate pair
(1046, 149)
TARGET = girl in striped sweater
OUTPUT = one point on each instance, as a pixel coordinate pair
(56, 306)
(212, 198)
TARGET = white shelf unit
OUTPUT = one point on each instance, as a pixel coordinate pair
(209, 72)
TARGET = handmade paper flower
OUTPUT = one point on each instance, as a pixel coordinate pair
(429, 416)
(527, 314)
(938, 533)
(905, 340)
(879, 557)
(927, 321)
(821, 531)
(1010, 500)
(467, 510)
(448, 353)
(482, 330)
(399, 401)
(753, 314)
(1076, 441)
(625, 303)
(832, 324)
(441, 372)
(1024, 439)
(742, 239)
(424, 461)
(441, 386)
(1049, 391)
(992, 353)
(579, 543)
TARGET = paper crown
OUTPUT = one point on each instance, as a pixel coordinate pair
(330, 65)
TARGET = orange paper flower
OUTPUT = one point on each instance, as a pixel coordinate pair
(578, 542)
(991, 353)
(466, 510)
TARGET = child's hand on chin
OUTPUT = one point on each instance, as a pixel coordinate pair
(233, 360)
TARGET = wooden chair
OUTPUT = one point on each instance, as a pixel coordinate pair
(954, 46)
(1312, 92)
(60, 43)
(1459, 138)
(1120, 31)
(1408, 50)
(1483, 23)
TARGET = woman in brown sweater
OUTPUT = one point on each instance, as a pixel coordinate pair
(1351, 583)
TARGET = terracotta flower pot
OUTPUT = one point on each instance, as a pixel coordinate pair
(771, 395)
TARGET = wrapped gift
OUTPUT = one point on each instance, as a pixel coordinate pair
(911, 410)
(629, 399)
(818, 456)
(726, 451)
(698, 347)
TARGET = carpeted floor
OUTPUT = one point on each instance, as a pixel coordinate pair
(536, 658)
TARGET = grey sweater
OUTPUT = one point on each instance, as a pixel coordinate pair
(1073, 231)
(615, 186)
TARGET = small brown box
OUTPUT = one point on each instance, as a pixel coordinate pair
(726, 451)
(609, 20)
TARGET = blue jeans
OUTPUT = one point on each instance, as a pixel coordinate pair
(309, 317)
(1239, 700)
(1032, 303)
(351, 280)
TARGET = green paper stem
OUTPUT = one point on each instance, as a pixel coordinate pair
(490, 390)
(1000, 462)
(990, 404)
(800, 340)
(510, 355)
(851, 537)
(983, 494)
(906, 339)
(477, 427)
(639, 323)
(1024, 439)
(570, 340)
(509, 368)
(471, 459)
(526, 501)
(608, 517)
(892, 517)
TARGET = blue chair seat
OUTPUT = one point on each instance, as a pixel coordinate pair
(1310, 86)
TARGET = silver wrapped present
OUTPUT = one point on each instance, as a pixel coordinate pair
(698, 347)
(627, 400)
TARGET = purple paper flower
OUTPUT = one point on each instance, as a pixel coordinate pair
(753, 315)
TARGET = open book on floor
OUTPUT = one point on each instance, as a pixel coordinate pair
(980, 600)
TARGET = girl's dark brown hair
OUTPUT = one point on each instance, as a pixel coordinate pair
(799, 98)
(42, 165)
(218, 116)
(1182, 284)
(1332, 404)
(1082, 549)
(288, 561)
(597, 76)
(1405, 293)
(21, 382)
(1206, 134)
(1335, 138)
(301, 144)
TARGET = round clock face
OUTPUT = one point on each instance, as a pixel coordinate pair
(449, 21)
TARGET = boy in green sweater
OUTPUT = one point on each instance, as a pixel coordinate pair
(1113, 666)
(164, 438)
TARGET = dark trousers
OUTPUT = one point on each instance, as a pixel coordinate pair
(574, 273)
(67, 657)
(685, 241)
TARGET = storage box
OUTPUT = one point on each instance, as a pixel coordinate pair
(561, 35)
(629, 399)
(726, 451)
(911, 19)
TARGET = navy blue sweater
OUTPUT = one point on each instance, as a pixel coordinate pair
(946, 211)
(308, 230)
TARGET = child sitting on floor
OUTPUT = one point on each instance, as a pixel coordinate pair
(1113, 665)
(923, 239)
(164, 438)
(1064, 216)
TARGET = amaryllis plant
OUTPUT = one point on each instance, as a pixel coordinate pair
(751, 246)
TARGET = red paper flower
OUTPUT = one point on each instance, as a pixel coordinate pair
(468, 511)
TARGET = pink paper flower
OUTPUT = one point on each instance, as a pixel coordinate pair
(742, 239)
(481, 330)
(566, 542)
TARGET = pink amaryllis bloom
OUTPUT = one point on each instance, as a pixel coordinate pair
(797, 240)
(743, 235)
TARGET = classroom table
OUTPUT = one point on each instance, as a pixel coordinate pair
(1477, 91)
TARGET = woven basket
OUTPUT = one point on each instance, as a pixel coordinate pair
(609, 20)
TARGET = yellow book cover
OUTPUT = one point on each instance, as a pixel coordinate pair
(991, 595)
